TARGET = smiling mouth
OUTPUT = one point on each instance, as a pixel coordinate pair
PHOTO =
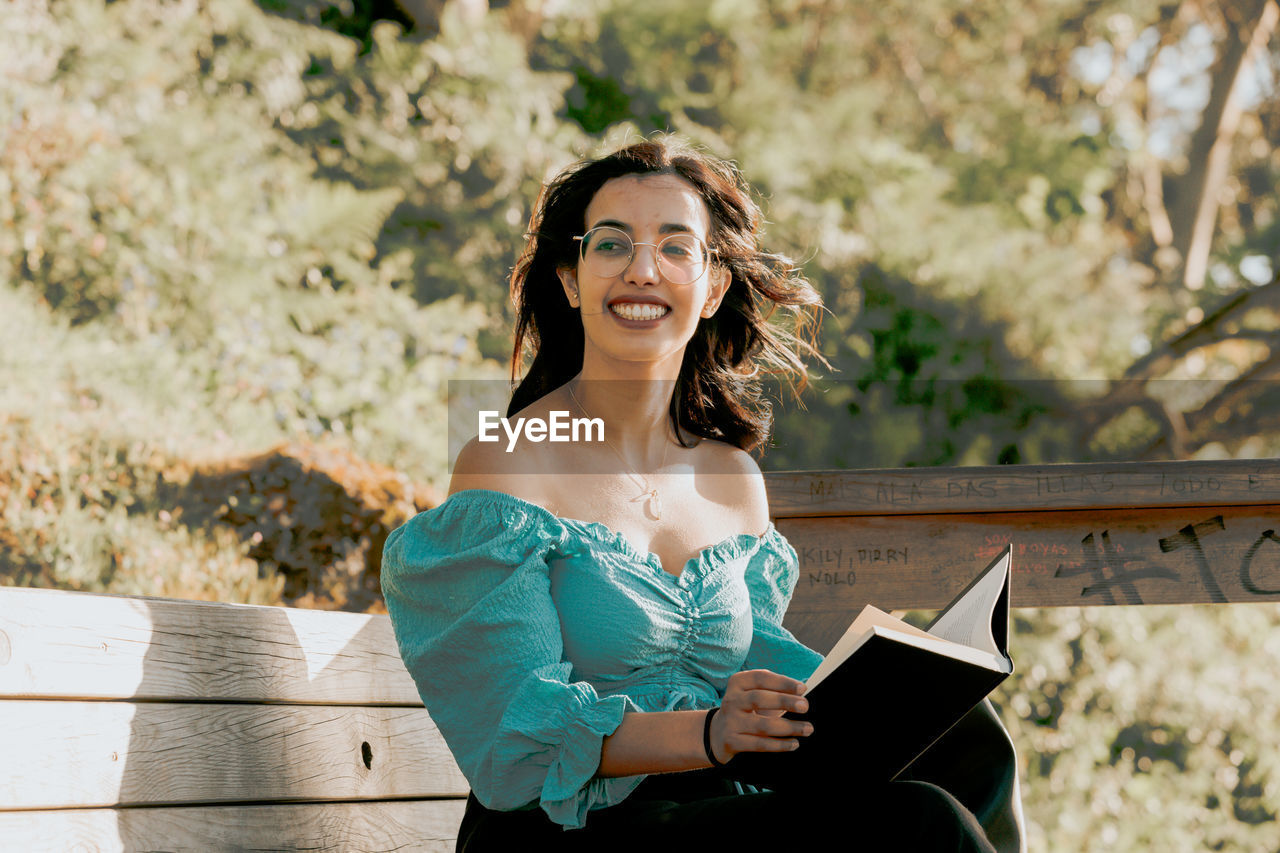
(639, 311)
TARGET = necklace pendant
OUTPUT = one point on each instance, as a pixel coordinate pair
(655, 504)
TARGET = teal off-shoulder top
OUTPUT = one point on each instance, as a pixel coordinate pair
(530, 636)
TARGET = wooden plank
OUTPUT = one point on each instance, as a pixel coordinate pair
(430, 826)
(1184, 555)
(896, 491)
(89, 754)
(57, 644)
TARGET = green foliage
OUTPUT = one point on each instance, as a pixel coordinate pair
(603, 102)
(87, 432)
(158, 200)
(172, 255)
(353, 18)
(461, 127)
(1124, 749)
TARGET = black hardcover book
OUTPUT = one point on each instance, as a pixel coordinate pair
(887, 690)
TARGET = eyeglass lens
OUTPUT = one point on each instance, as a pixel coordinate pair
(608, 251)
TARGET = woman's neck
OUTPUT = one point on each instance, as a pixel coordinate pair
(635, 412)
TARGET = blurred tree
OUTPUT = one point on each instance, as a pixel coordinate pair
(353, 18)
(1001, 163)
(218, 291)
(462, 129)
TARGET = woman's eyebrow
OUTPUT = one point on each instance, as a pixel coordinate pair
(611, 223)
(666, 228)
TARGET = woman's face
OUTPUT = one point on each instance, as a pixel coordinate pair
(639, 315)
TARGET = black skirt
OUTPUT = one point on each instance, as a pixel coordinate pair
(961, 795)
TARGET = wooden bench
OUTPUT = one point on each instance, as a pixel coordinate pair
(152, 724)
(136, 723)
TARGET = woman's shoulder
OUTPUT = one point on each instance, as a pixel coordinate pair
(730, 476)
(500, 463)
(495, 479)
(485, 465)
(729, 459)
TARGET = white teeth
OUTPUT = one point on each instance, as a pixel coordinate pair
(638, 311)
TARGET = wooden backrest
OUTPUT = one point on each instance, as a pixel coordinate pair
(1127, 533)
(137, 723)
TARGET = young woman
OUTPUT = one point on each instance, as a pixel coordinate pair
(596, 626)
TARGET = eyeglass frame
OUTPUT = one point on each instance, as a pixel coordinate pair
(708, 251)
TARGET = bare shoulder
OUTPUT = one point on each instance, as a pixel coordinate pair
(520, 468)
(734, 477)
(487, 465)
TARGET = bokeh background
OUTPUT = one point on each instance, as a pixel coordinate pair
(245, 245)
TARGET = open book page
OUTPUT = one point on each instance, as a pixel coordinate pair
(968, 620)
(956, 651)
(869, 618)
(873, 620)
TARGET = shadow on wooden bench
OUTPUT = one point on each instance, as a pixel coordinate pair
(135, 723)
(143, 724)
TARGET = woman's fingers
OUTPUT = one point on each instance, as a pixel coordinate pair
(766, 726)
(760, 689)
(748, 743)
(765, 736)
(763, 679)
(750, 717)
(768, 700)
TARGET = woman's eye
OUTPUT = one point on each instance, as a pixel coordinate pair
(680, 249)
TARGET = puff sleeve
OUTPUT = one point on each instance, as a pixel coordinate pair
(468, 592)
(771, 577)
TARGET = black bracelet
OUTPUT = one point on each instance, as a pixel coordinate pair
(706, 737)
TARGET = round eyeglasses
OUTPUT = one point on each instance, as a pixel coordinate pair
(606, 252)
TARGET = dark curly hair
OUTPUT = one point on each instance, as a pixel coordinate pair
(718, 391)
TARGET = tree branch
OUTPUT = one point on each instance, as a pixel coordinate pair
(1131, 390)
(1205, 332)
(1237, 399)
(1195, 213)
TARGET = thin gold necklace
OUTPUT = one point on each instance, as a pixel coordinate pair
(654, 503)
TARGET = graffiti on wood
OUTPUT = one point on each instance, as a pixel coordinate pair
(1110, 572)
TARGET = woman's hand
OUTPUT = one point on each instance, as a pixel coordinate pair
(750, 715)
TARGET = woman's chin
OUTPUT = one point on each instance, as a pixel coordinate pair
(637, 353)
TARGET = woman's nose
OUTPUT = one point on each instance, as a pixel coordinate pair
(643, 268)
